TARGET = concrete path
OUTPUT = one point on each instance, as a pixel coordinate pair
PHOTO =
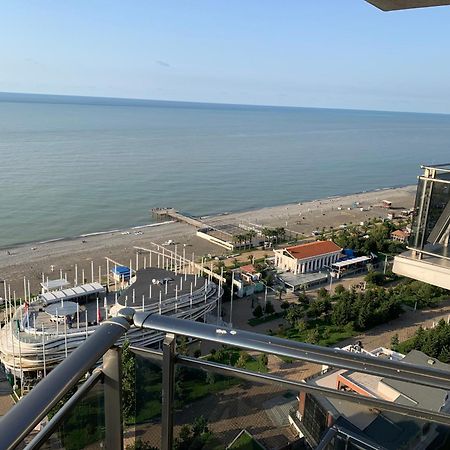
(6, 402)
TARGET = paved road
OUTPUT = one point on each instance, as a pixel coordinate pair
(6, 402)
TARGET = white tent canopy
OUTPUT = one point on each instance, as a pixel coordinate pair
(85, 290)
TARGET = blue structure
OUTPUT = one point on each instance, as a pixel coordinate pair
(349, 253)
(122, 273)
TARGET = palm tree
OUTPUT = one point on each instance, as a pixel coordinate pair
(251, 234)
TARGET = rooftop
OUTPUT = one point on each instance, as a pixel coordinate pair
(400, 233)
(249, 268)
(312, 249)
(385, 428)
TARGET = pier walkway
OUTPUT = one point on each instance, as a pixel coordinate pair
(175, 215)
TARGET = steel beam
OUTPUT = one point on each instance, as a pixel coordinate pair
(112, 370)
(333, 357)
(168, 387)
(369, 402)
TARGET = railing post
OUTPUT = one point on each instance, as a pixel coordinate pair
(113, 399)
(168, 387)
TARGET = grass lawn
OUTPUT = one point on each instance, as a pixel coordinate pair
(231, 355)
(246, 442)
(258, 320)
(328, 334)
(84, 424)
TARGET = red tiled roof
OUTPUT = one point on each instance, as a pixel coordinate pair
(311, 249)
(400, 233)
(249, 268)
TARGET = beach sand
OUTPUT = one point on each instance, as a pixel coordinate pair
(31, 260)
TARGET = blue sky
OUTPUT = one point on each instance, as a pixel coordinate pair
(323, 53)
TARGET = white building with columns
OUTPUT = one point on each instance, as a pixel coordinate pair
(310, 257)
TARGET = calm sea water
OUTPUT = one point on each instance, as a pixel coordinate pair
(72, 165)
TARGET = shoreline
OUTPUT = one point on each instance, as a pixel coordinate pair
(30, 260)
(214, 215)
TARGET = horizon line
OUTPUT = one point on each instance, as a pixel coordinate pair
(212, 103)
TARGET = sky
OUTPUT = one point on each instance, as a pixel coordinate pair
(313, 53)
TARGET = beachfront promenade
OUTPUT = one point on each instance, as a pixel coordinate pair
(31, 260)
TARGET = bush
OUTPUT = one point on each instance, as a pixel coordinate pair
(313, 336)
(140, 445)
(339, 289)
(244, 358)
(269, 309)
(258, 312)
(262, 362)
(376, 278)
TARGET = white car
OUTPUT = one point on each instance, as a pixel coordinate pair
(125, 232)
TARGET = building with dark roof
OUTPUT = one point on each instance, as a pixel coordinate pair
(367, 427)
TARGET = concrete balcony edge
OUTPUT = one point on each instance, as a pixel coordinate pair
(422, 270)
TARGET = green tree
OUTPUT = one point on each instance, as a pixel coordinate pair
(395, 342)
(313, 336)
(339, 289)
(269, 309)
(284, 305)
(262, 362)
(193, 437)
(140, 445)
(294, 314)
(244, 358)
(128, 382)
(182, 345)
(376, 278)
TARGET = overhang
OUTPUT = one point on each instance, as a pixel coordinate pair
(391, 5)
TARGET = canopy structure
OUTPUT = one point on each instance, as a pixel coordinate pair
(61, 309)
(391, 5)
(78, 292)
(303, 280)
(53, 285)
(341, 266)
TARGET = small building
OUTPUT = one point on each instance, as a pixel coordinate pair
(349, 266)
(247, 280)
(122, 273)
(249, 273)
(360, 426)
(386, 204)
(400, 236)
(310, 257)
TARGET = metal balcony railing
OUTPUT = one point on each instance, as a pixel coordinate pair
(17, 425)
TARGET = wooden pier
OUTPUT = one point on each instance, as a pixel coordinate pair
(172, 213)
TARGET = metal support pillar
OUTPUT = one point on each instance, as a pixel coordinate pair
(112, 371)
(168, 387)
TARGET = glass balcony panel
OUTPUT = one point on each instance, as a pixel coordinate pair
(83, 427)
(144, 425)
(429, 230)
(231, 408)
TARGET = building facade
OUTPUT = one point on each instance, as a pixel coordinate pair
(367, 428)
(428, 255)
(305, 258)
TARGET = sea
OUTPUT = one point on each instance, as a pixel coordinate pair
(77, 165)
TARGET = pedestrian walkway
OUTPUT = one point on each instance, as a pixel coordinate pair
(6, 402)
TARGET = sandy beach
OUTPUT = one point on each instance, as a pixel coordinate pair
(31, 260)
